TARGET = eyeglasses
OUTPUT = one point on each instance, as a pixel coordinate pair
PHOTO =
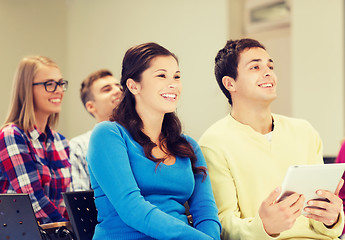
(51, 85)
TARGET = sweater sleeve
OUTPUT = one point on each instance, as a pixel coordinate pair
(341, 154)
(108, 161)
(224, 189)
(202, 205)
(341, 159)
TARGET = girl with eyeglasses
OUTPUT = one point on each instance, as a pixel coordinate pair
(33, 157)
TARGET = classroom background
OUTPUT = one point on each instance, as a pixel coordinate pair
(304, 37)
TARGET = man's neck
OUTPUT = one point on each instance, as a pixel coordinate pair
(259, 118)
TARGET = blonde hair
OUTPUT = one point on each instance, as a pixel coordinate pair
(21, 110)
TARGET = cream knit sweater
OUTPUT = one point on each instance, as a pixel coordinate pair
(245, 167)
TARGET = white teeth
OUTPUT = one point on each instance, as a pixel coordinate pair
(55, 100)
(169, 95)
(266, 85)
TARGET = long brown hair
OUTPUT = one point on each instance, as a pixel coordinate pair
(136, 60)
(21, 110)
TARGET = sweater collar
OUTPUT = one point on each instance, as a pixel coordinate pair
(246, 127)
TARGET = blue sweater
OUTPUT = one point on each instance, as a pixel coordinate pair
(137, 201)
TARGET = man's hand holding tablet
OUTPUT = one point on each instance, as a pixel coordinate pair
(320, 186)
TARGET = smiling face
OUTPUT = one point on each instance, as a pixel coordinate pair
(160, 87)
(47, 103)
(106, 94)
(256, 80)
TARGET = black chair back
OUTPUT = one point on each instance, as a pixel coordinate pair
(82, 212)
(17, 218)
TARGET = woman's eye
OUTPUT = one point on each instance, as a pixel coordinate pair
(271, 67)
(255, 67)
(177, 77)
(161, 76)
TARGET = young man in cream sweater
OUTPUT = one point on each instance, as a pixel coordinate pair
(249, 151)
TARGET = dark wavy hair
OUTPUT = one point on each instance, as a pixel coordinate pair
(226, 61)
(136, 60)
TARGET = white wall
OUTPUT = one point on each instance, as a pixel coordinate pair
(99, 33)
(85, 35)
(27, 28)
(317, 50)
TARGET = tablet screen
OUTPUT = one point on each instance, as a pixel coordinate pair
(307, 179)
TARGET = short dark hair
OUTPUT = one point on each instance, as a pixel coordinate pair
(226, 61)
(85, 89)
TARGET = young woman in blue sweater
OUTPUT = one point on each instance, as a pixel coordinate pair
(142, 169)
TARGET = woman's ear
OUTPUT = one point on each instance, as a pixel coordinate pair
(133, 86)
(229, 83)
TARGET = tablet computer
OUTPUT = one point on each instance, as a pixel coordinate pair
(307, 179)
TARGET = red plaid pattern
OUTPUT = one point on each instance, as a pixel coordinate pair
(37, 164)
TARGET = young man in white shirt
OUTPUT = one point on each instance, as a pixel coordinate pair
(100, 93)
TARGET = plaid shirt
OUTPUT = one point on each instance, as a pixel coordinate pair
(37, 164)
